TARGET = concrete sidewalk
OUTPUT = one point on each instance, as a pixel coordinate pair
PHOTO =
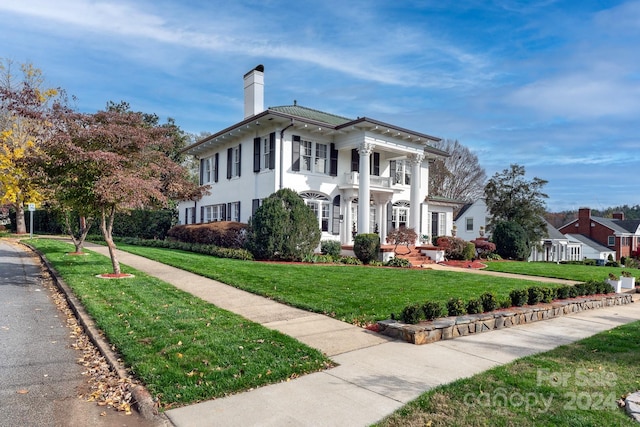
(375, 375)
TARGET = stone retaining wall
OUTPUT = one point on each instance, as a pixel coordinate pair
(452, 327)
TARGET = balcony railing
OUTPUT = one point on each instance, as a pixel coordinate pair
(352, 178)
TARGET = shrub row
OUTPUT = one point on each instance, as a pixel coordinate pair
(487, 302)
(225, 234)
(213, 250)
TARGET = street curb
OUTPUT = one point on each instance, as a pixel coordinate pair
(143, 401)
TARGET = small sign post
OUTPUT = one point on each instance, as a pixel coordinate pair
(32, 209)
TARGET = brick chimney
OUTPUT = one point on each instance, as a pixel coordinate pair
(584, 221)
(254, 92)
(618, 215)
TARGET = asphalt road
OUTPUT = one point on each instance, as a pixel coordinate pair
(39, 376)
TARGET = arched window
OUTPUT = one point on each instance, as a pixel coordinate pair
(321, 206)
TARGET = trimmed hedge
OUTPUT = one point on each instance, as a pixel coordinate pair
(212, 250)
(488, 302)
(225, 234)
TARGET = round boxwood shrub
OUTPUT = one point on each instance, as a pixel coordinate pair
(548, 294)
(474, 306)
(331, 247)
(432, 310)
(489, 302)
(412, 314)
(456, 307)
(366, 247)
(519, 297)
(535, 295)
(563, 292)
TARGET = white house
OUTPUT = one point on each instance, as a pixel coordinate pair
(472, 220)
(556, 247)
(592, 249)
(358, 175)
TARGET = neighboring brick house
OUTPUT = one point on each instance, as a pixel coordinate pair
(615, 233)
(356, 174)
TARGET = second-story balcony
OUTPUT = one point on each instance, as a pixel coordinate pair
(352, 180)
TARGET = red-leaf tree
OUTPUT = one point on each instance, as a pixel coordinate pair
(112, 161)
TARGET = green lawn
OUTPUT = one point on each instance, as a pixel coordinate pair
(182, 348)
(573, 385)
(356, 294)
(582, 273)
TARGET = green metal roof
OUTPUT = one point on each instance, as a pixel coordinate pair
(311, 114)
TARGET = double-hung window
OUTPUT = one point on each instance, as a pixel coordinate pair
(314, 157)
(400, 172)
(321, 159)
(469, 223)
(266, 156)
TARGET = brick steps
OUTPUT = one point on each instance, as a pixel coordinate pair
(415, 257)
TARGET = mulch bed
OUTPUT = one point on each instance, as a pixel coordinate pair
(464, 264)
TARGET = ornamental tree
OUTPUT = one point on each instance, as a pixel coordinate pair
(110, 161)
(23, 104)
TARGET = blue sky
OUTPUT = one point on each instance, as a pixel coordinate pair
(551, 85)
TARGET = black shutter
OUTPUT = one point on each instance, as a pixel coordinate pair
(229, 161)
(239, 212)
(186, 216)
(239, 158)
(335, 227)
(255, 204)
(256, 154)
(295, 160)
(201, 171)
(333, 155)
(223, 214)
(228, 211)
(355, 160)
(215, 172)
(201, 214)
(272, 150)
(376, 164)
(392, 166)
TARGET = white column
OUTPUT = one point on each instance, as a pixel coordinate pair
(414, 212)
(364, 195)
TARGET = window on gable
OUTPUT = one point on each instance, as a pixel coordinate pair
(469, 223)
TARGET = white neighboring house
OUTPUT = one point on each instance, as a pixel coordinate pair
(472, 220)
(358, 175)
(592, 249)
(557, 247)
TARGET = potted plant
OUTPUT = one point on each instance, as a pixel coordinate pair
(424, 239)
(614, 281)
(628, 280)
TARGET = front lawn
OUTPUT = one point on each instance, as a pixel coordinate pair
(355, 294)
(183, 349)
(581, 273)
(573, 385)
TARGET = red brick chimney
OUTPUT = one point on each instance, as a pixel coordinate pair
(584, 221)
(618, 215)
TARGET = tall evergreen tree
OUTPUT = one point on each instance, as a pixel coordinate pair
(512, 198)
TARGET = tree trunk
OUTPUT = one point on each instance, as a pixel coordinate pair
(106, 225)
(85, 225)
(21, 226)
